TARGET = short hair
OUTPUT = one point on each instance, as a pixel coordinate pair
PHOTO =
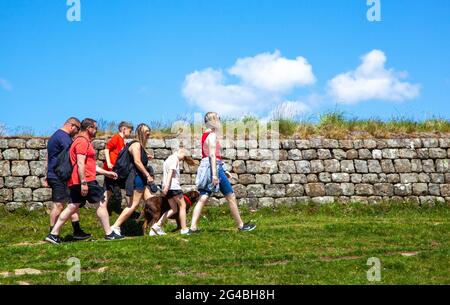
(86, 123)
(72, 120)
(125, 124)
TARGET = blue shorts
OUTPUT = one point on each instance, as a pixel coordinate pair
(224, 184)
(139, 184)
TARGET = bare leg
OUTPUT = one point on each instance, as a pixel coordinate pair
(198, 210)
(57, 208)
(103, 216)
(173, 210)
(128, 211)
(232, 202)
(64, 216)
(182, 212)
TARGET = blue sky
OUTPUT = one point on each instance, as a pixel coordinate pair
(131, 60)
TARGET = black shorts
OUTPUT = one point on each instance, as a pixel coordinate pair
(174, 193)
(95, 194)
(60, 191)
(110, 184)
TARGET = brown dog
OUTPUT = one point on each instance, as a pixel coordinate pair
(158, 205)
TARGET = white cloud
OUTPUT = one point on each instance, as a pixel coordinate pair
(370, 81)
(5, 84)
(262, 81)
(272, 72)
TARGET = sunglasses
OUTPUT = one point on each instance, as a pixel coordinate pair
(78, 127)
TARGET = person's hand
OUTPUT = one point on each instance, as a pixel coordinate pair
(45, 182)
(111, 175)
(84, 190)
(165, 191)
(215, 180)
(228, 174)
(149, 179)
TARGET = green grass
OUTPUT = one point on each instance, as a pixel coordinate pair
(301, 244)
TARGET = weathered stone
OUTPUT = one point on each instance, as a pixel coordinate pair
(5, 195)
(324, 154)
(339, 154)
(294, 154)
(325, 177)
(302, 144)
(416, 165)
(364, 189)
(331, 143)
(266, 202)
(275, 190)
(358, 143)
(43, 155)
(255, 190)
(254, 167)
(22, 194)
(445, 190)
(387, 166)
(312, 178)
(158, 167)
(403, 189)
(352, 154)
(355, 178)
(42, 194)
(370, 178)
(162, 153)
(13, 182)
(12, 206)
(437, 178)
(317, 166)
(186, 179)
(309, 154)
(281, 178)
(348, 189)
(38, 168)
(36, 143)
(346, 144)
(260, 154)
(323, 199)
(34, 206)
(315, 142)
(5, 169)
(239, 167)
(340, 177)
(443, 166)
(332, 166)
(29, 154)
(425, 178)
(99, 144)
(288, 144)
(434, 189)
(365, 154)
(2, 183)
(3, 144)
(402, 165)
(287, 167)
(382, 178)
(422, 153)
(315, 189)
(347, 166)
(370, 144)
(428, 166)
(263, 179)
(437, 153)
(420, 189)
(333, 189)
(268, 167)
(230, 153)
(17, 143)
(444, 142)
(430, 142)
(383, 189)
(299, 178)
(246, 179)
(156, 143)
(20, 168)
(393, 178)
(303, 167)
(240, 191)
(377, 154)
(11, 154)
(390, 153)
(409, 178)
(405, 153)
(361, 166)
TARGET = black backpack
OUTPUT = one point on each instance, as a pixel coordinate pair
(124, 163)
(63, 167)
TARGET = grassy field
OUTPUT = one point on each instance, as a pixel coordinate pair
(302, 244)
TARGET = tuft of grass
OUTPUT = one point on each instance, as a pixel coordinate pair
(296, 244)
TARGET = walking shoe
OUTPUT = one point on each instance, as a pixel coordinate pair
(113, 236)
(247, 227)
(116, 230)
(158, 230)
(81, 235)
(193, 231)
(54, 239)
(185, 232)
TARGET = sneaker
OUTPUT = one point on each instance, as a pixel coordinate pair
(152, 233)
(247, 227)
(158, 230)
(54, 239)
(113, 236)
(81, 235)
(185, 232)
(116, 230)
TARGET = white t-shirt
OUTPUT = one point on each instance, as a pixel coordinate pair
(172, 163)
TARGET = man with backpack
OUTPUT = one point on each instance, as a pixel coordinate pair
(57, 143)
(82, 181)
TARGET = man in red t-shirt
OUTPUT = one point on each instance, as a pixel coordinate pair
(112, 150)
(83, 184)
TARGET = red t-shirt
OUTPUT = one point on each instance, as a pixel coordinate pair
(115, 145)
(82, 146)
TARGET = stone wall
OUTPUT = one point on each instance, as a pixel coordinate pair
(321, 170)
